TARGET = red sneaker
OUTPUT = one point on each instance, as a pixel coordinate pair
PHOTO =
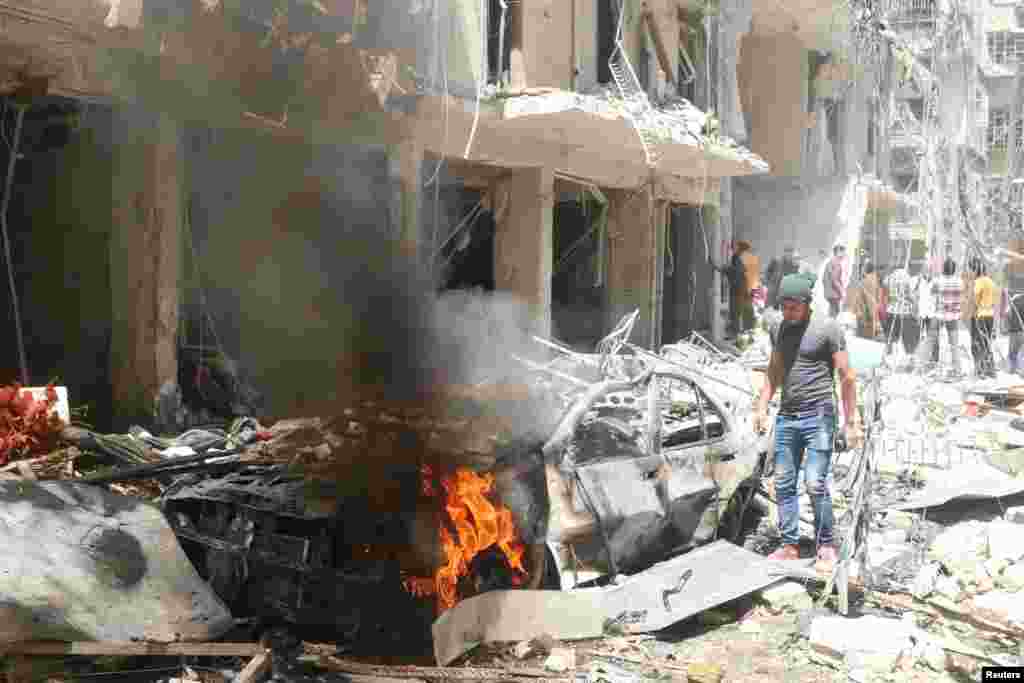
(827, 558)
(785, 553)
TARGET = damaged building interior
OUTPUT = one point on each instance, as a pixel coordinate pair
(374, 341)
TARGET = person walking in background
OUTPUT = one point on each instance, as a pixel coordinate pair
(1015, 329)
(744, 273)
(834, 279)
(778, 269)
(982, 328)
(867, 302)
(903, 300)
(926, 310)
(947, 290)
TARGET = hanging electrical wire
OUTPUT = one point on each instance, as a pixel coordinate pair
(14, 153)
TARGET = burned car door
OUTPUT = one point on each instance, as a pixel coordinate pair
(650, 499)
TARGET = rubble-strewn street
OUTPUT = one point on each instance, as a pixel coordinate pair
(588, 341)
(617, 560)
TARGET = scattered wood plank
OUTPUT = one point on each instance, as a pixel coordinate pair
(943, 611)
(651, 663)
(130, 648)
(405, 673)
(257, 669)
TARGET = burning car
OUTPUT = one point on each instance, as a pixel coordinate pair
(368, 525)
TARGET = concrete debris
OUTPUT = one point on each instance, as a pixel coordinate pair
(1015, 514)
(786, 595)
(961, 544)
(927, 580)
(1005, 606)
(1011, 578)
(867, 642)
(82, 561)
(561, 659)
(512, 616)
(1005, 541)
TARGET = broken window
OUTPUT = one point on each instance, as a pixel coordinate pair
(691, 417)
(998, 130)
(499, 43)
(643, 65)
(980, 104)
(607, 23)
(1005, 47)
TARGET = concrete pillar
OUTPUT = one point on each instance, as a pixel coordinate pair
(523, 241)
(636, 255)
(405, 164)
(145, 262)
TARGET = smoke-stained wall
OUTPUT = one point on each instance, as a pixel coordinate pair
(59, 222)
(289, 241)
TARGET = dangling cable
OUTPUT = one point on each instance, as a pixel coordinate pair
(12, 159)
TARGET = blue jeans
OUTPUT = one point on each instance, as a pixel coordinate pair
(805, 439)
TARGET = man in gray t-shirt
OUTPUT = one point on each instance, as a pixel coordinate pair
(806, 353)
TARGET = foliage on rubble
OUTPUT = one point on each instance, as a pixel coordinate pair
(27, 425)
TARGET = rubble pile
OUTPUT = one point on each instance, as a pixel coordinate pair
(600, 518)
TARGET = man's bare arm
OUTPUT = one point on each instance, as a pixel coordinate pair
(772, 381)
(848, 391)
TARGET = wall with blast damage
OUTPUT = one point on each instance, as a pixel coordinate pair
(291, 245)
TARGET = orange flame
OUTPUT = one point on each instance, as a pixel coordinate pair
(478, 523)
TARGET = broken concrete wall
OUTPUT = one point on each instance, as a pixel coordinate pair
(772, 212)
(773, 82)
(734, 20)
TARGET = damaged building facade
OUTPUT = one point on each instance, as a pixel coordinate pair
(210, 170)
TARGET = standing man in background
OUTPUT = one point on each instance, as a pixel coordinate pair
(744, 273)
(1015, 329)
(834, 280)
(807, 354)
(982, 328)
(778, 269)
(926, 311)
(947, 290)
